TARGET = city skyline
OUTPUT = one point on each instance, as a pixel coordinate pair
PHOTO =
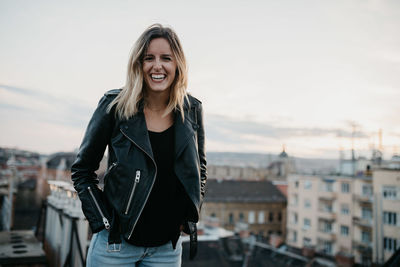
(268, 74)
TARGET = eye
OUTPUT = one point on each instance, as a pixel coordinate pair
(167, 58)
(148, 58)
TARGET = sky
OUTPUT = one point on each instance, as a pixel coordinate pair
(269, 73)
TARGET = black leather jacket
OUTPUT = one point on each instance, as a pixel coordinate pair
(131, 167)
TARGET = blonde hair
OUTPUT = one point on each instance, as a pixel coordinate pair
(127, 101)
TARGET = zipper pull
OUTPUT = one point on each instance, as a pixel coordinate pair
(112, 166)
(137, 178)
(106, 223)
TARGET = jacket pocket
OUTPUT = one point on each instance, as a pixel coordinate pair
(97, 207)
(112, 166)
(90, 209)
(132, 192)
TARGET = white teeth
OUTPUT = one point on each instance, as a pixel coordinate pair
(157, 76)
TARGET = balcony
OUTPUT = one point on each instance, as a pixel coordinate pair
(363, 199)
(327, 195)
(363, 222)
(326, 235)
(362, 246)
(326, 215)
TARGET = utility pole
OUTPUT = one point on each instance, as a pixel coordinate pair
(353, 156)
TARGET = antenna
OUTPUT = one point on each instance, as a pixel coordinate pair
(341, 152)
(353, 133)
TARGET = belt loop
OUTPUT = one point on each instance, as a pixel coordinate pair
(113, 247)
(114, 236)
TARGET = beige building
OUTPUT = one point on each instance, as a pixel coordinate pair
(386, 237)
(236, 173)
(330, 215)
(277, 170)
(362, 220)
(254, 206)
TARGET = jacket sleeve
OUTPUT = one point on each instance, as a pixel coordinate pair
(201, 151)
(91, 151)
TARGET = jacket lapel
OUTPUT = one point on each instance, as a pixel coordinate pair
(136, 130)
(183, 130)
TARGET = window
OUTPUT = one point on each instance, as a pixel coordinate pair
(261, 233)
(231, 218)
(294, 200)
(344, 230)
(294, 236)
(241, 217)
(365, 237)
(307, 184)
(389, 244)
(389, 218)
(326, 207)
(296, 184)
(307, 203)
(307, 223)
(294, 218)
(252, 217)
(345, 187)
(389, 192)
(279, 216)
(327, 247)
(261, 217)
(367, 190)
(271, 216)
(306, 241)
(344, 209)
(326, 227)
(366, 213)
(213, 215)
(327, 185)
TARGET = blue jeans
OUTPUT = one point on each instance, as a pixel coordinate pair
(100, 254)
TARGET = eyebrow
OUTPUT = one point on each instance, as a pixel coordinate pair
(170, 55)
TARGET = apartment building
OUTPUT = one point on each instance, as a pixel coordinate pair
(255, 206)
(362, 220)
(330, 215)
(386, 227)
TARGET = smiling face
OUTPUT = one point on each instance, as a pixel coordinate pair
(159, 66)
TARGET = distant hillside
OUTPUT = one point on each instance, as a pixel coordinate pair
(258, 160)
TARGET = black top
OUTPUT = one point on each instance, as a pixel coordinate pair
(165, 208)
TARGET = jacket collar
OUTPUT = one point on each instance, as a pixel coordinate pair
(135, 129)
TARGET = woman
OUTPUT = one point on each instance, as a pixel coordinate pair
(154, 185)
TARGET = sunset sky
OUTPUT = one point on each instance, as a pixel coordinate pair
(269, 73)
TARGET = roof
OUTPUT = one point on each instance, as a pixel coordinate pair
(242, 191)
(54, 160)
(283, 154)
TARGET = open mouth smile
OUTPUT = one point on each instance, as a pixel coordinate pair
(158, 77)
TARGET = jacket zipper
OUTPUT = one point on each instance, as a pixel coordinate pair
(137, 178)
(111, 167)
(154, 179)
(105, 221)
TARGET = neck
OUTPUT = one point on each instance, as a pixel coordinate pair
(156, 101)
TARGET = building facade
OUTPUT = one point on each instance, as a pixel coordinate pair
(331, 215)
(255, 206)
(386, 227)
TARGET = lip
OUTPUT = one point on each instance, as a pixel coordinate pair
(158, 80)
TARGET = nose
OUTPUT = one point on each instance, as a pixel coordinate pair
(157, 64)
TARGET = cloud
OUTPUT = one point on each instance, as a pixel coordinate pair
(40, 106)
(224, 129)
